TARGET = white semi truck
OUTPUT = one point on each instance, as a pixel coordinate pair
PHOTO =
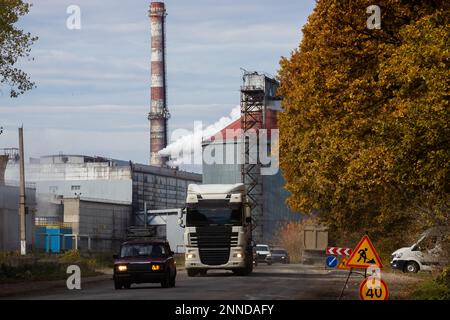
(218, 231)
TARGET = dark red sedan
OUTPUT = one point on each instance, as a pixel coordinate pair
(144, 261)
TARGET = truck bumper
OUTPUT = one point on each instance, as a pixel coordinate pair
(192, 260)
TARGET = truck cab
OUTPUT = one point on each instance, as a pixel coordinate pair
(217, 229)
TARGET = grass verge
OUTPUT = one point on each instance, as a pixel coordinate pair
(39, 267)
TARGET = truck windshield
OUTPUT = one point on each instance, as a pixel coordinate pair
(213, 214)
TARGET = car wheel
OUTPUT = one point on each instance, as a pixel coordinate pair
(203, 272)
(269, 263)
(127, 285)
(165, 283)
(172, 282)
(411, 267)
(191, 272)
(117, 285)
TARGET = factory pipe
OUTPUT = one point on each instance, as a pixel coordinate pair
(159, 114)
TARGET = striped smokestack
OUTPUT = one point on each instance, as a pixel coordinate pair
(159, 113)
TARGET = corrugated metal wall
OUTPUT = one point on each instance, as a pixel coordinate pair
(160, 188)
(275, 210)
(9, 217)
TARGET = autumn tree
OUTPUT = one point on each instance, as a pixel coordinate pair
(14, 44)
(364, 139)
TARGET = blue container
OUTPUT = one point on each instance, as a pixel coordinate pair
(51, 239)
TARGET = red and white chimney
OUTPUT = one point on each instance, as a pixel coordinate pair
(159, 113)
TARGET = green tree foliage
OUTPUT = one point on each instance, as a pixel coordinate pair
(364, 140)
(14, 44)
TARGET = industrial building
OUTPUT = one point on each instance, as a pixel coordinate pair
(99, 197)
(259, 108)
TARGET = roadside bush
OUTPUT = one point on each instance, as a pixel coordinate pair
(103, 260)
(37, 271)
(36, 267)
(437, 289)
(290, 236)
(70, 256)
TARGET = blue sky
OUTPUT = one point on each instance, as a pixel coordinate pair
(92, 92)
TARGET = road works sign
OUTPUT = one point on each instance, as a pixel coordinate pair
(364, 255)
(343, 264)
(339, 251)
(373, 289)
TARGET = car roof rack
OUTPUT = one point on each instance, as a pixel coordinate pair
(144, 233)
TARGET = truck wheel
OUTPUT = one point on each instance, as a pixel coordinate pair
(269, 263)
(127, 285)
(191, 272)
(411, 267)
(249, 268)
(203, 272)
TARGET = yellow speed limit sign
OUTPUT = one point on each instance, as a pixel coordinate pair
(373, 289)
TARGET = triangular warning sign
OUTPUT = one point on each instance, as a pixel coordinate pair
(364, 255)
(343, 264)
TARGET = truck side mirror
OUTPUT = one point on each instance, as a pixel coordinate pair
(180, 217)
(248, 214)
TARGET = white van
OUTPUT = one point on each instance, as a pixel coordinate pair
(422, 255)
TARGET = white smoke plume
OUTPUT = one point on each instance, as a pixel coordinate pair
(186, 146)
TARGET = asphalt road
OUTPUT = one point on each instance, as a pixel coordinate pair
(278, 281)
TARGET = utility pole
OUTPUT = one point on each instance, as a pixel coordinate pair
(22, 233)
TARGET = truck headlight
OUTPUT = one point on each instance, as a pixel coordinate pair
(238, 255)
(190, 256)
(122, 268)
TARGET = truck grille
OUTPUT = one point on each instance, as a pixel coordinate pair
(214, 257)
(214, 237)
(214, 243)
